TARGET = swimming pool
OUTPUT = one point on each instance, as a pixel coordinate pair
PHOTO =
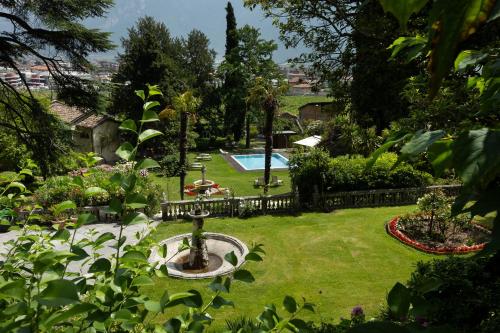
(256, 161)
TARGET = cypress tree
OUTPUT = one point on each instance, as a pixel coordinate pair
(234, 83)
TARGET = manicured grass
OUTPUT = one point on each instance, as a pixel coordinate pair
(291, 104)
(218, 170)
(337, 261)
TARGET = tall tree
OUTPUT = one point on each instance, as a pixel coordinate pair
(197, 60)
(50, 32)
(185, 105)
(234, 81)
(264, 94)
(257, 58)
(150, 55)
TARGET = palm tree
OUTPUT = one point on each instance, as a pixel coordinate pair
(264, 95)
(185, 105)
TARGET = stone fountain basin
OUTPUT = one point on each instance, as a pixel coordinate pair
(217, 244)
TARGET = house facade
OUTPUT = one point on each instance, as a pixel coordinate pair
(90, 132)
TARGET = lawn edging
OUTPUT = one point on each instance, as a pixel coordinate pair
(392, 229)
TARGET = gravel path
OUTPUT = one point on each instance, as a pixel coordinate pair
(86, 232)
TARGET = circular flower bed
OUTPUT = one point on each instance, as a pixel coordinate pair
(393, 229)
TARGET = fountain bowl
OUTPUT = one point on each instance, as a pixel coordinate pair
(203, 185)
(218, 246)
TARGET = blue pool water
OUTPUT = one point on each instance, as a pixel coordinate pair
(256, 161)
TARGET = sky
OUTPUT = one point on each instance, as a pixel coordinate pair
(181, 16)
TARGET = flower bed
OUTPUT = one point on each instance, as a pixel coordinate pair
(215, 190)
(392, 229)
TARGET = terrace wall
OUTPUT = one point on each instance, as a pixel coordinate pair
(290, 203)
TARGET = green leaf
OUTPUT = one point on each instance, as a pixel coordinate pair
(79, 253)
(136, 200)
(244, 275)
(59, 293)
(86, 218)
(399, 301)
(391, 141)
(451, 23)
(75, 310)
(141, 94)
(428, 284)
(173, 325)
(142, 280)
(115, 206)
(128, 125)
(63, 206)
(15, 289)
(475, 156)
(299, 324)
(149, 134)
(134, 256)
(149, 116)
(103, 238)
(408, 48)
(147, 163)
(231, 258)
(154, 90)
(402, 10)
(290, 304)
(100, 265)
(252, 256)
(62, 234)
(153, 306)
(440, 155)
(420, 142)
(149, 105)
(308, 306)
(468, 58)
(17, 185)
(219, 302)
(125, 151)
(135, 218)
(217, 285)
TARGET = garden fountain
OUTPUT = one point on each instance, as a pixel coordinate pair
(203, 185)
(204, 257)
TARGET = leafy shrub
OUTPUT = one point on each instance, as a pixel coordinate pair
(348, 173)
(469, 296)
(61, 188)
(170, 165)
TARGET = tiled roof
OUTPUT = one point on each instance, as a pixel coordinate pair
(68, 114)
(75, 116)
(91, 121)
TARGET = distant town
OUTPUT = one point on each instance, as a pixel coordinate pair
(37, 76)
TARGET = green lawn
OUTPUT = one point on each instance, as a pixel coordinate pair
(337, 261)
(291, 104)
(218, 170)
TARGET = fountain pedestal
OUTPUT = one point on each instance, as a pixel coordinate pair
(198, 253)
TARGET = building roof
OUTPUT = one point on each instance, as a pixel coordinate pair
(68, 114)
(311, 141)
(76, 116)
